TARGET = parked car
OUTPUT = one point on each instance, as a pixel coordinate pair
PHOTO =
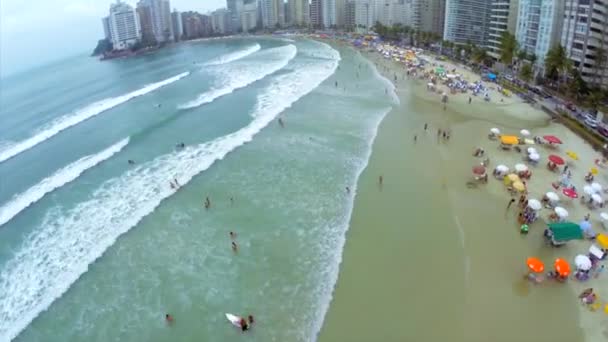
(590, 121)
(603, 131)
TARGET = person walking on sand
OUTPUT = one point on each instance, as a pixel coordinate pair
(415, 138)
(380, 179)
(470, 100)
(425, 126)
(510, 203)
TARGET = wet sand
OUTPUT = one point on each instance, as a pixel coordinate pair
(428, 259)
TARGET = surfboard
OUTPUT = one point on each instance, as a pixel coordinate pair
(235, 320)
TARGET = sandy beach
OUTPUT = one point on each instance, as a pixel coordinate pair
(429, 259)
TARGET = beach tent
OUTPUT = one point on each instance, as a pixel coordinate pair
(492, 76)
(565, 231)
(602, 240)
(509, 140)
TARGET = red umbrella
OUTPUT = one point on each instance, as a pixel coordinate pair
(552, 139)
(479, 170)
(556, 159)
(570, 192)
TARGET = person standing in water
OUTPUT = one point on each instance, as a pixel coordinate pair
(232, 235)
(281, 122)
(235, 248)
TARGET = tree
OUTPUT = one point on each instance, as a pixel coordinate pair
(480, 56)
(521, 55)
(526, 73)
(577, 87)
(557, 64)
(103, 46)
(595, 98)
(600, 63)
(508, 46)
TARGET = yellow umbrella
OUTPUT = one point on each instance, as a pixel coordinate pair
(602, 240)
(529, 141)
(572, 155)
(594, 170)
(512, 177)
(519, 186)
(509, 140)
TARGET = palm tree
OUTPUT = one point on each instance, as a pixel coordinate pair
(557, 64)
(479, 55)
(595, 98)
(508, 46)
(526, 73)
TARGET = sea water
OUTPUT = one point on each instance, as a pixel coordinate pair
(93, 247)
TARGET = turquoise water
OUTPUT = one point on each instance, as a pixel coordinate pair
(95, 248)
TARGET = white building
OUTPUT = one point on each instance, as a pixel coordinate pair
(221, 21)
(300, 12)
(364, 13)
(328, 8)
(178, 26)
(467, 21)
(273, 13)
(316, 13)
(503, 18)
(249, 15)
(428, 15)
(159, 17)
(123, 25)
(539, 26)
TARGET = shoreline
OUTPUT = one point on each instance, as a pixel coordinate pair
(347, 298)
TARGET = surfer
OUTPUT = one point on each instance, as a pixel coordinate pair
(169, 318)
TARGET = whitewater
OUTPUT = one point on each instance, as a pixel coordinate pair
(60, 178)
(66, 121)
(235, 56)
(63, 246)
(233, 77)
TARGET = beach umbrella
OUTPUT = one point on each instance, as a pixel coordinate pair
(562, 267)
(509, 140)
(585, 225)
(528, 141)
(597, 187)
(572, 155)
(494, 130)
(512, 177)
(570, 192)
(582, 262)
(561, 212)
(519, 186)
(534, 204)
(535, 265)
(534, 157)
(532, 150)
(602, 240)
(594, 171)
(521, 168)
(524, 132)
(588, 190)
(479, 170)
(552, 196)
(557, 160)
(552, 139)
(604, 216)
(502, 168)
(597, 198)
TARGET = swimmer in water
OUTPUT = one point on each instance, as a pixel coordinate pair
(244, 324)
(233, 235)
(168, 318)
(131, 162)
(234, 247)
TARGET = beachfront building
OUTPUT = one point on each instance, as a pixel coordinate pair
(273, 13)
(249, 16)
(341, 13)
(349, 15)
(467, 21)
(316, 13)
(427, 15)
(585, 36)
(364, 13)
(328, 8)
(145, 22)
(539, 26)
(123, 25)
(155, 17)
(178, 26)
(503, 18)
(221, 21)
(382, 12)
(234, 8)
(299, 12)
(105, 21)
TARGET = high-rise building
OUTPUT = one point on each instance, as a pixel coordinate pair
(105, 21)
(273, 13)
(382, 12)
(300, 12)
(328, 8)
(192, 25)
(249, 15)
(221, 21)
(123, 25)
(585, 36)
(316, 13)
(429, 15)
(467, 21)
(539, 26)
(340, 12)
(364, 13)
(145, 22)
(178, 26)
(503, 18)
(159, 18)
(350, 21)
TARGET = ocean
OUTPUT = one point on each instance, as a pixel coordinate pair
(93, 247)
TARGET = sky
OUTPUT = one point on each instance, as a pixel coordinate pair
(36, 32)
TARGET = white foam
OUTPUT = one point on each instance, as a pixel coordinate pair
(235, 56)
(235, 77)
(61, 177)
(63, 246)
(80, 115)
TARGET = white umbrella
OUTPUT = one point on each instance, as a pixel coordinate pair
(534, 204)
(532, 150)
(582, 262)
(597, 198)
(524, 132)
(597, 187)
(502, 168)
(552, 196)
(521, 168)
(561, 212)
(588, 190)
(534, 157)
(604, 216)
(495, 130)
